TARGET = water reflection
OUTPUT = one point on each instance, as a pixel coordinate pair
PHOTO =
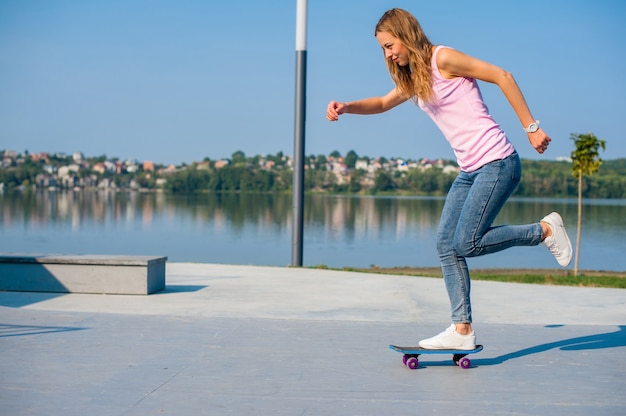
(256, 229)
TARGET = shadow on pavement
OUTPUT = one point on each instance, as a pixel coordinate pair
(23, 330)
(179, 289)
(589, 342)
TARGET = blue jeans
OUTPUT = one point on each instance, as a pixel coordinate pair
(465, 230)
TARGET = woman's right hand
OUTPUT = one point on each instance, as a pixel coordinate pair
(334, 110)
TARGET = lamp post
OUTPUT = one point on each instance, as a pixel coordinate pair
(298, 152)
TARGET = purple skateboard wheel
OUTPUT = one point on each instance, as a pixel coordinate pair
(412, 363)
(465, 363)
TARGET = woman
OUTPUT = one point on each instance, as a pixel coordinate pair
(442, 81)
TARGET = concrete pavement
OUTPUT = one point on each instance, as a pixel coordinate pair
(248, 340)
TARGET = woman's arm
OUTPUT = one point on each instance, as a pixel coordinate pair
(373, 105)
(453, 63)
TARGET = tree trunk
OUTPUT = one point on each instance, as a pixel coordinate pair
(580, 219)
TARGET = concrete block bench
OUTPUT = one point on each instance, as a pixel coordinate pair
(104, 274)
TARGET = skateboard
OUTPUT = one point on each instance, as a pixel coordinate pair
(411, 354)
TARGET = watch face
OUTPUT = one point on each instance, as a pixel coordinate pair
(533, 127)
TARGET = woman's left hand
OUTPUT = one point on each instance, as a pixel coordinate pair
(539, 140)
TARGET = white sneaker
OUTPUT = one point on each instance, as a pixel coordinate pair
(558, 243)
(450, 339)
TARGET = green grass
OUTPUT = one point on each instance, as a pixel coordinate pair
(557, 277)
(607, 281)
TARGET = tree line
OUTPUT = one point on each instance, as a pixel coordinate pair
(539, 179)
(252, 174)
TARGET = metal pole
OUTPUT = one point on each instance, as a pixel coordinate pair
(298, 148)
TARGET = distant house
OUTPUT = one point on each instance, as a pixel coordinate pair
(451, 169)
(68, 170)
(40, 157)
(77, 156)
(148, 166)
(402, 165)
(204, 165)
(361, 164)
(99, 167)
(220, 163)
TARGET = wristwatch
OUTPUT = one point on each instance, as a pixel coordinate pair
(532, 127)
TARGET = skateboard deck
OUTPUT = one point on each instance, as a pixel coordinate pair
(411, 354)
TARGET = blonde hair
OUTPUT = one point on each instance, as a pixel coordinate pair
(413, 80)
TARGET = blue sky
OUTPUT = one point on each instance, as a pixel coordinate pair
(178, 81)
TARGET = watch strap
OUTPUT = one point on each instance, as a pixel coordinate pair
(532, 127)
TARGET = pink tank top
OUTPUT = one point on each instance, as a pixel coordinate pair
(458, 109)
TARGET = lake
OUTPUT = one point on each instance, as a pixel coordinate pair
(251, 229)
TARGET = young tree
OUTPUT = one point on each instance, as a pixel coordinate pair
(585, 161)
